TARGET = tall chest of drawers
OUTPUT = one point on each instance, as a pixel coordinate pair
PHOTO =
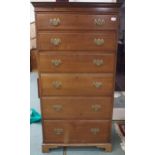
(76, 45)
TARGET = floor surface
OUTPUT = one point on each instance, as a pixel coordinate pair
(36, 133)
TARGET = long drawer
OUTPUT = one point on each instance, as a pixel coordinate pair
(53, 62)
(76, 84)
(77, 41)
(77, 108)
(58, 131)
(64, 21)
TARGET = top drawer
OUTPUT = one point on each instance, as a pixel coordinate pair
(58, 21)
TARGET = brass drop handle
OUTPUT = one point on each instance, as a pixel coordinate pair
(99, 21)
(58, 131)
(98, 62)
(97, 84)
(57, 84)
(57, 107)
(55, 41)
(96, 107)
(94, 130)
(55, 21)
(99, 41)
(56, 62)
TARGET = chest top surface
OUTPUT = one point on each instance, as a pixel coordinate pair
(76, 6)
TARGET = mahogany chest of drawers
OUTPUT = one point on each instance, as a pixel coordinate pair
(76, 45)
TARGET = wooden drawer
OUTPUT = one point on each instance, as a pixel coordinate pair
(77, 107)
(70, 21)
(97, 41)
(76, 62)
(58, 131)
(76, 84)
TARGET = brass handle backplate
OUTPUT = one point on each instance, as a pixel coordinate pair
(95, 130)
(57, 84)
(54, 21)
(98, 62)
(99, 41)
(56, 62)
(96, 107)
(99, 21)
(55, 41)
(58, 131)
(57, 107)
(97, 84)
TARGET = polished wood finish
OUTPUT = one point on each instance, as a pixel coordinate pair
(76, 62)
(76, 45)
(77, 41)
(60, 131)
(105, 146)
(76, 22)
(76, 84)
(81, 108)
(46, 6)
(33, 60)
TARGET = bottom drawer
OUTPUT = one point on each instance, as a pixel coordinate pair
(76, 131)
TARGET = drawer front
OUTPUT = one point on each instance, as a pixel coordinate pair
(76, 84)
(58, 131)
(54, 21)
(77, 108)
(77, 41)
(68, 62)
